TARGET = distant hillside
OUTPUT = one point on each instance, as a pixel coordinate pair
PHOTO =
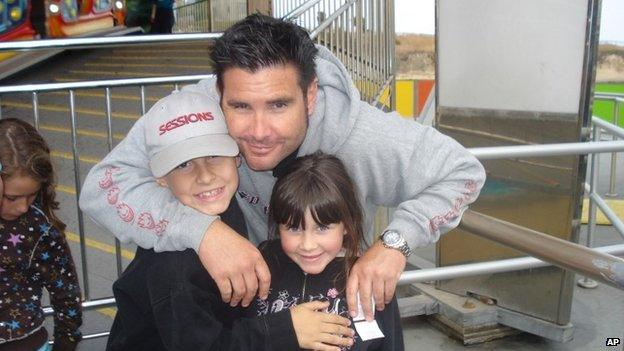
(415, 59)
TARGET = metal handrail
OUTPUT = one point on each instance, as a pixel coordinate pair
(301, 9)
(97, 42)
(191, 4)
(328, 21)
(497, 152)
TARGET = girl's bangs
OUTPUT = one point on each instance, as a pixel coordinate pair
(326, 206)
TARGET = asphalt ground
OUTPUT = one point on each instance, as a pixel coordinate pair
(597, 313)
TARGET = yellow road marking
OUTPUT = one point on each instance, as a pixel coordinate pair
(615, 204)
(86, 111)
(108, 311)
(117, 73)
(146, 65)
(98, 245)
(70, 156)
(82, 132)
(113, 96)
(153, 58)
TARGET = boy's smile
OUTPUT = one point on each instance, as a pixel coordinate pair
(206, 184)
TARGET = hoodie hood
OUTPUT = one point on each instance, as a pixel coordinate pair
(331, 124)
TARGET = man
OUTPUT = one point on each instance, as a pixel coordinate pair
(284, 97)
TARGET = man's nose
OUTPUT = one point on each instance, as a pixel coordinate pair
(260, 128)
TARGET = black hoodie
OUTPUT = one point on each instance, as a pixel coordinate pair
(290, 286)
(168, 301)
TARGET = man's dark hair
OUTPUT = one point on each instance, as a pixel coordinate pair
(260, 41)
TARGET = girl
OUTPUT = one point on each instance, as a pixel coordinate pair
(315, 214)
(35, 254)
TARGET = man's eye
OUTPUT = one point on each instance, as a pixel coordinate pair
(280, 105)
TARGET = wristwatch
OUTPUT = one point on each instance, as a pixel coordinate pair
(394, 240)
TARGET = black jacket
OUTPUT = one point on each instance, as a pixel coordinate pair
(168, 301)
(290, 286)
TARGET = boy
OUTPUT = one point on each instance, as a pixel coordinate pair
(167, 300)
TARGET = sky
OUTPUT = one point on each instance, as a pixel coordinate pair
(418, 16)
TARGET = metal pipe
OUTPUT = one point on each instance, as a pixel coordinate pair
(600, 266)
(99, 42)
(109, 134)
(617, 223)
(78, 184)
(490, 153)
(102, 83)
(491, 267)
(35, 102)
(143, 110)
(613, 165)
(299, 10)
(328, 21)
(612, 129)
(586, 282)
(87, 305)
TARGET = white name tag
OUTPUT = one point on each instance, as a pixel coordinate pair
(366, 330)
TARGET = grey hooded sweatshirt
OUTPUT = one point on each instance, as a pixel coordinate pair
(429, 177)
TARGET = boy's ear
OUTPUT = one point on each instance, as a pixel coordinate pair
(162, 182)
(239, 160)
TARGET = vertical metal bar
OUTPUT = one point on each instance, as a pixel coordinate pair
(109, 134)
(616, 111)
(586, 282)
(78, 182)
(143, 100)
(35, 104)
(0, 107)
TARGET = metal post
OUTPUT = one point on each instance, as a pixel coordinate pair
(612, 176)
(83, 248)
(586, 282)
(35, 104)
(142, 100)
(109, 134)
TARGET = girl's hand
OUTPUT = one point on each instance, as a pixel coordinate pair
(320, 330)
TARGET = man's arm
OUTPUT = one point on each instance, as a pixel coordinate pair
(121, 195)
(429, 177)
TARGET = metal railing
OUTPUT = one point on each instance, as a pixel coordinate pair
(617, 100)
(208, 15)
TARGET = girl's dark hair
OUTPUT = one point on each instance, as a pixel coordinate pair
(23, 152)
(321, 183)
(259, 41)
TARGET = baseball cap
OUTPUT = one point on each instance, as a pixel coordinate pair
(183, 126)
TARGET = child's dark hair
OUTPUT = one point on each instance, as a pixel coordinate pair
(260, 41)
(23, 152)
(320, 183)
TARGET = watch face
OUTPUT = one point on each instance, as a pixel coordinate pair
(392, 238)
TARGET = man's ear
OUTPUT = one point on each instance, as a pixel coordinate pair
(162, 182)
(311, 96)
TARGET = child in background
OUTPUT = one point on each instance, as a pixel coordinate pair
(316, 224)
(35, 253)
(167, 300)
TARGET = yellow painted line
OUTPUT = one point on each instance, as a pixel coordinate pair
(113, 96)
(146, 65)
(86, 111)
(108, 311)
(153, 58)
(70, 156)
(81, 132)
(118, 73)
(66, 189)
(615, 204)
(98, 245)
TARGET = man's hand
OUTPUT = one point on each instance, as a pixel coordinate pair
(235, 264)
(320, 330)
(375, 274)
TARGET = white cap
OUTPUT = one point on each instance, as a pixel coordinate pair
(184, 126)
